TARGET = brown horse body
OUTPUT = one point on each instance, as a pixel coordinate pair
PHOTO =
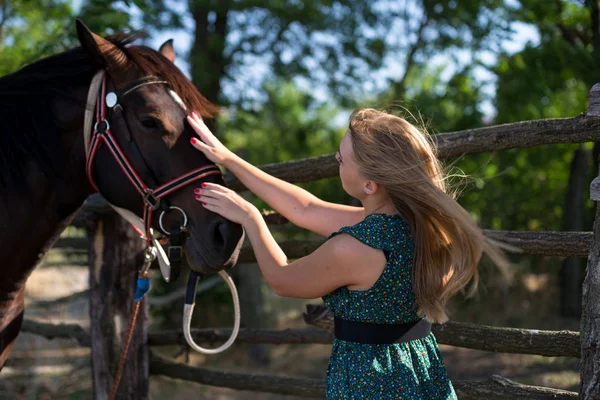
(43, 178)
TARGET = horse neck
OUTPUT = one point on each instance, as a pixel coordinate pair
(32, 222)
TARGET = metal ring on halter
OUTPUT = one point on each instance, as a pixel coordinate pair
(98, 122)
(162, 228)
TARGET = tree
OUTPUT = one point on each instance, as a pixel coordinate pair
(341, 45)
(30, 30)
(286, 127)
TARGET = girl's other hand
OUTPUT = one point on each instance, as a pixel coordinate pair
(212, 148)
(225, 202)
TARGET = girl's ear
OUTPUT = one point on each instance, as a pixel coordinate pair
(371, 187)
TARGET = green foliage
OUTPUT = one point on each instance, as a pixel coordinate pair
(519, 189)
(108, 16)
(443, 106)
(285, 128)
(550, 80)
(30, 30)
(342, 45)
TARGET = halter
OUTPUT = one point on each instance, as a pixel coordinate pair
(154, 197)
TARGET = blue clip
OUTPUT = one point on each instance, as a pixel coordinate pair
(143, 285)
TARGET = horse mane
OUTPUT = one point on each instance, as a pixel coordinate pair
(28, 125)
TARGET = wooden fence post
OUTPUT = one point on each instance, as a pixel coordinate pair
(571, 273)
(590, 318)
(115, 256)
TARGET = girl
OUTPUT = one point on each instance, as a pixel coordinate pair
(385, 266)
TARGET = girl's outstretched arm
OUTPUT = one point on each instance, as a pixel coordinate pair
(299, 206)
(340, 261)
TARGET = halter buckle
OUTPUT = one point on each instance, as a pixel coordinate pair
(175, 252)
(151, 200)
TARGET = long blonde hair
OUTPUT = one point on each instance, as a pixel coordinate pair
(448, 243)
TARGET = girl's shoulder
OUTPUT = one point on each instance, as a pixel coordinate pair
(382, 231)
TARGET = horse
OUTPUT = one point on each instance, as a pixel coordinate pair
(46, 175)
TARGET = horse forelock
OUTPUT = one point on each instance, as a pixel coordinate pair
(151, 62)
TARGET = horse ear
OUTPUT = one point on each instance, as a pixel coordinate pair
(101, 50)
(168, 50)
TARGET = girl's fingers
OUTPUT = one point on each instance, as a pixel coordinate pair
(209, 203)
(198, 123)
(198, 128)
(197, 116)
(202, 196)
(207, 193)
(207, 200)
(213, 208)
(199, 144)
(215, 187)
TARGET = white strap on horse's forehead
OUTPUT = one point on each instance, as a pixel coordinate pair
(177, 99)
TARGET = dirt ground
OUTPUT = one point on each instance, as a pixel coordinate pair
(59, 369)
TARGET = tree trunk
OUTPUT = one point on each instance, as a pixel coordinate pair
(571, 276)
(207, 57)
(115, 256)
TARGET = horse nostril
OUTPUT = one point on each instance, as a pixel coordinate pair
(219, 235)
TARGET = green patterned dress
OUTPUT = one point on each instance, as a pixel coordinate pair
(411, 370)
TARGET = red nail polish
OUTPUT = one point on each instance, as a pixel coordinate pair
(193, 140)
(203, 204)
(197, 197)
(203, 185)
(196, 191)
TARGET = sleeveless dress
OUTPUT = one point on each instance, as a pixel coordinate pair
(412, 370)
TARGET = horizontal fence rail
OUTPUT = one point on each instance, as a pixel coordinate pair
(560, 343)
(495, 387)
(544, 243)
(459, 334)
(580, 129)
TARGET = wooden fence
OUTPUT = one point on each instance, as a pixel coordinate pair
(583, 344)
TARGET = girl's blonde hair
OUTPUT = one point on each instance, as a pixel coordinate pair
(448, 243)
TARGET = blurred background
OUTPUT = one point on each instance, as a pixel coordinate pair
(287, 75)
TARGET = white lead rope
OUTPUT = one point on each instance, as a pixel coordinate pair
(188, 310)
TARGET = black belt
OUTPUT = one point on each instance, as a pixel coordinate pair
(368, 333)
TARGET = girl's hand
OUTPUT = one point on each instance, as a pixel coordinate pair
(212, 148)
(225, 202)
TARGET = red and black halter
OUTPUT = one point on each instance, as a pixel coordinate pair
(154, 197)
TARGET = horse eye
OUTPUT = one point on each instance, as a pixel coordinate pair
(151, 123)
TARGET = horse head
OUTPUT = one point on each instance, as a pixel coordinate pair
(147, 115)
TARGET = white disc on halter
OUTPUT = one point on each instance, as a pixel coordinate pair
(111, 99)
